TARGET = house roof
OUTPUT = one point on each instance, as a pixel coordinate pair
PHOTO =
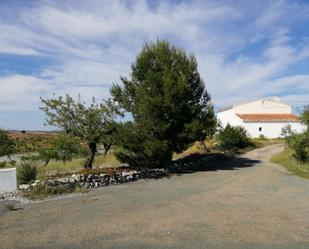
(268, 117)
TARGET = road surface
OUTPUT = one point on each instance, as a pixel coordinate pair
(245, 203)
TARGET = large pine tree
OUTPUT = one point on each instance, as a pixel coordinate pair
(168, 102)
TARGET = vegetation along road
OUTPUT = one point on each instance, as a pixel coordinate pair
(245, 203)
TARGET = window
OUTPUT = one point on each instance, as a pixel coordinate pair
(260, 128)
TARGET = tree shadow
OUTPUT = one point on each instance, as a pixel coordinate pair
(210, 162)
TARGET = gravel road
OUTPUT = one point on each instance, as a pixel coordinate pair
(246, 203)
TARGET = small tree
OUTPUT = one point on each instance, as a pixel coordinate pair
(233, 138)
(62, 147)
(287, 131)
(169, 104)
(7, 145)
(89, 123)
(300, 142)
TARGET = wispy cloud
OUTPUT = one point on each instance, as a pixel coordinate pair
(245, 49)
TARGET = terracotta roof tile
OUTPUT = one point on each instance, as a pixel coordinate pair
(268, 117)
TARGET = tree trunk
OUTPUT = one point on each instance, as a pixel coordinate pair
(46, 162)
(107, 147)
(92, 149)
(202, 145)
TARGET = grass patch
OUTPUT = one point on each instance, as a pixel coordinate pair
(76, 165)
(211, 146)
(260, 142)
(195, 149)
(286, 159)
(44, 191)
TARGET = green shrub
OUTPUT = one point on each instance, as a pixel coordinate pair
(300, 144)
(26, 172)
(262, 137)
(12, 162)
(7, 145)
(230, 139)
(2, 164)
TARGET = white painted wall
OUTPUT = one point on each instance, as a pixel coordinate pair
(270, 129)
(229, 117)
(263, 106)
(8, 181)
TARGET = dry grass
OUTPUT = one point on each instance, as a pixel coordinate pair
(55, 167)
(195, 149)
(286, 159)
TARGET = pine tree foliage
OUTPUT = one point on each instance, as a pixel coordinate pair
(168, 102)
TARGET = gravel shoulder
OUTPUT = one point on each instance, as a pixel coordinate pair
(245, 203)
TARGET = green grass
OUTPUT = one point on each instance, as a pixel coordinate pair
(42, 191)
(286, 159)
(75, 165)
(258, 142)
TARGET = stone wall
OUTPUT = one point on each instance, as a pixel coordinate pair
(96, 180)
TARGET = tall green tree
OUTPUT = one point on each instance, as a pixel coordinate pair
(7, 144)
(91, 123)
(168, 102)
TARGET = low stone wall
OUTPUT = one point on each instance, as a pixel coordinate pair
(8, 182)
(96, 180)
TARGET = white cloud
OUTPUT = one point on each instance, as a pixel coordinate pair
(93, 42)
(21, 93)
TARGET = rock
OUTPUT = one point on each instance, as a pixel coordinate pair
(13, 196)
(87, 185)
(24, 186)
(37, 181)
(63, 180)
(34, 184)
(72, 180)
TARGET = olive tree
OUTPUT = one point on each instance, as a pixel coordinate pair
(91, 123)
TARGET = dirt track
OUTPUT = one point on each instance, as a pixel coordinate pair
(247, 203)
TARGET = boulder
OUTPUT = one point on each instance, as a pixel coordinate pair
(24, 186)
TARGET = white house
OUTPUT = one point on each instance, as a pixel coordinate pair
(261, 117)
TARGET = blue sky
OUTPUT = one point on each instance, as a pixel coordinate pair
(245, 49)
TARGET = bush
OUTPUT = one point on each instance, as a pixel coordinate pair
(7, 145)
(2, 164)
(12, 162)
(233, 138)
(300, 144)
(262, 137)
(26, 172)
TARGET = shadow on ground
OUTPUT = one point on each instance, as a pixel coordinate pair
(210, 162)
